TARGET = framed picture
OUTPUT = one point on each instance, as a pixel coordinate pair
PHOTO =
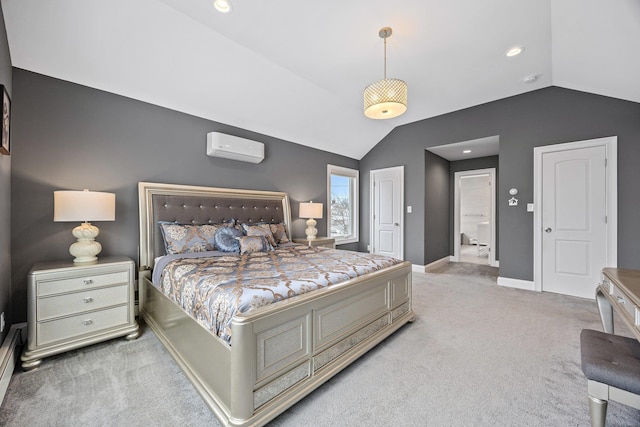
(6, 122)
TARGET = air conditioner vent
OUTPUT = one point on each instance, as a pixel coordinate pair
(234, 148)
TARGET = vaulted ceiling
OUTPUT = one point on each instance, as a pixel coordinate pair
(296, 70)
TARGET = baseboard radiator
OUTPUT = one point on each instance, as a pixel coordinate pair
(16, 338)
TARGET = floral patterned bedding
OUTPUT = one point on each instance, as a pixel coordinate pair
(212, 289)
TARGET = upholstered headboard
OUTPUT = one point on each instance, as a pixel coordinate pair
(186, 204)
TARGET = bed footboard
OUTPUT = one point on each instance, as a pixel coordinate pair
(284, 351)
(325, 335)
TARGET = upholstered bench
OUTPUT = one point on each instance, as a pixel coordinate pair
(611, 364)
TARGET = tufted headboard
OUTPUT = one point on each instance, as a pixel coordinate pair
(188, 204)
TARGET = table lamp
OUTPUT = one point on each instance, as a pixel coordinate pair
(84, 206)
(311, 210)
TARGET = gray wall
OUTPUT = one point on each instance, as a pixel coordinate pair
(5, 189)
(488, 162)
(543, 117)
(437, 213)
(72, 137)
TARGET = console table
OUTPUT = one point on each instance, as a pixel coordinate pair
(620, 291)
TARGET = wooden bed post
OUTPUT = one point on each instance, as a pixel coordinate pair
(243, 379)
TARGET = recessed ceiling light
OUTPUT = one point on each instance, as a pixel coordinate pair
(223, 6)
(466, 151)
(517, 50)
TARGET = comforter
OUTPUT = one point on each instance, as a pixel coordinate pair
(213, 286)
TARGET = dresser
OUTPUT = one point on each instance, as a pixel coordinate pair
(620, 291)
(74, 305)
(327, 242)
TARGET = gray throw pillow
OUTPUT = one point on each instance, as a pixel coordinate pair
(226, 241)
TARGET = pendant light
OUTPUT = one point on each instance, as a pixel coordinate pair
(386, 98)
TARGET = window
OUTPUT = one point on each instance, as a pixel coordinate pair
(342, 190)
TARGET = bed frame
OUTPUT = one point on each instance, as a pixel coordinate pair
(280, 352)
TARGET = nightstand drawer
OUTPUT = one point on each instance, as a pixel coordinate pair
(81, 283)
(76, 326)
(79, 302)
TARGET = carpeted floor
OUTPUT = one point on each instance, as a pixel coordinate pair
(477, 355)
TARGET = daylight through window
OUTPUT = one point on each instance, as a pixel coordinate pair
(342, 221)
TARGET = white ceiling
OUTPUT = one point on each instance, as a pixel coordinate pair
(296, 69)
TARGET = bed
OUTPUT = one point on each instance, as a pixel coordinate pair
(280, 352)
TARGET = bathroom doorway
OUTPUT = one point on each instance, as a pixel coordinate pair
(474, 217)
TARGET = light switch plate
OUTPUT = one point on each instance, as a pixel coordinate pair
(529, 207)
(409, 209)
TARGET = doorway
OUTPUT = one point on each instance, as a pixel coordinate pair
(575, 215)
(474, 217)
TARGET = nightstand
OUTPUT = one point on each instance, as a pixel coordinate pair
(327, 242)
(73, 305)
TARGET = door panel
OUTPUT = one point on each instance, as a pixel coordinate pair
(572, 195)
(385, 242)
(574, 229)
(385, 192)
(573, 257)
(387, 212)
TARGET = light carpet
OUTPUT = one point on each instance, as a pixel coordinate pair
(477, 355)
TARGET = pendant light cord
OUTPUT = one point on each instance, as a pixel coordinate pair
(385, 58)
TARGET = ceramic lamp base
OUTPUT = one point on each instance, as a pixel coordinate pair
(311, 230)
(86, 248)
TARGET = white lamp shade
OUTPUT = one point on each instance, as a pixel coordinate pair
(84, 205)
(310, 210)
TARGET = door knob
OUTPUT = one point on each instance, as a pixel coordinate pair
(547, 230)
(396, 224)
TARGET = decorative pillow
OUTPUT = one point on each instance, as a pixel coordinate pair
(225, 239)
(279, 232)
(251, 244)
(259, 230)
(185, 238)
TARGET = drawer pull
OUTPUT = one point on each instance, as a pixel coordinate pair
(621, 300)
(87, 300)
(87, 281)
(87, 322)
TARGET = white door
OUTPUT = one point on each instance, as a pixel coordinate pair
(574, 223)
(387, 208)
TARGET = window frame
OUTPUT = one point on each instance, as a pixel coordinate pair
(355, 193)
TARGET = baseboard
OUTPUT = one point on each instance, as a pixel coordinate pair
(8, 356)
(436, 264)
(417, 268)
(516, 283)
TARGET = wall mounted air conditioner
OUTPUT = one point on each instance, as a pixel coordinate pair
(234, 148)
